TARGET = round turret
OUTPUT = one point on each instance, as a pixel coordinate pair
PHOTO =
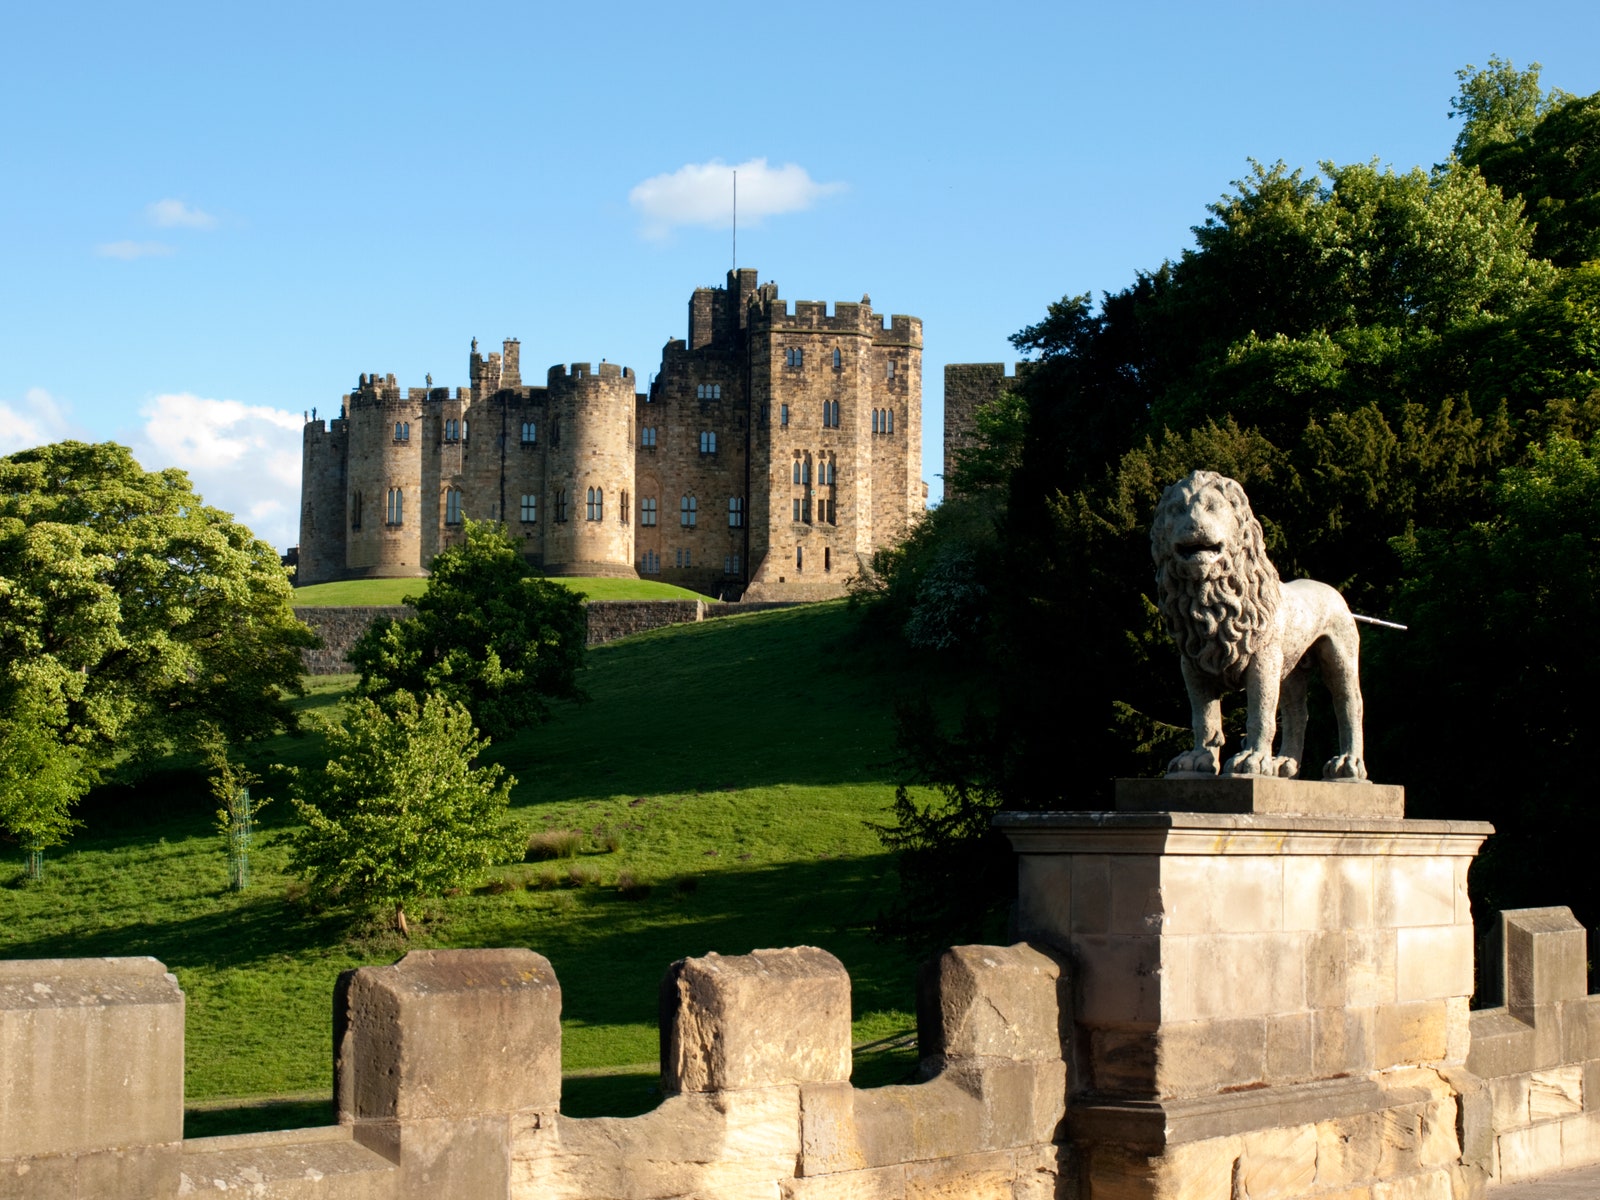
(590, 471)
(384, 506)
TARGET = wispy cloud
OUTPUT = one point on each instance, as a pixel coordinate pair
(38, 420)
(127, 251)
(702, 194)
(175, 214)
(242, 458)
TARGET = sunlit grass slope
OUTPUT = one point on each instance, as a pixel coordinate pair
(732, 768)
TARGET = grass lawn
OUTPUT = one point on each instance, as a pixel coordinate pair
(394, 591)
(733, 766)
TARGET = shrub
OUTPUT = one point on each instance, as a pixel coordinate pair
(553, 843)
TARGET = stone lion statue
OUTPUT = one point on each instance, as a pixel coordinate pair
(1238, 626)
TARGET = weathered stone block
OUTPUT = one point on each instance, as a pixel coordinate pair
(693, 1144)
(1289, 1048)
(1091, 893)
(1118, 979)
(1262, 794)
(1349, 1149)
(1414, 890)
(1555, 1092)
(1138, 906)
(1433, 962)
(992, 1001)
(1407, 1034)
(448, 1034)
(91, 1056)
(1580, 1140)
(1279, 1162)
(1508, 1099)
(968, 1177)
(1546, 953)
(1202, 1170)
(1529, 1151)
(1326, 892)
(1233, 974)
(1200, 1057)
(1501, 1044)
(878, 1183)
(1426, 1185)
(1044, 899)
(299, 1164)
(1341, 1041)
(1206, 894)
(755, 1020)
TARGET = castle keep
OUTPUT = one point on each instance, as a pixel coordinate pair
(770, 457)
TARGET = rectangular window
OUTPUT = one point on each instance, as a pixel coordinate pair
(530, 508)
(647, 437)
(794, 358)
(783, 416)
(827, 559)
(402, 431)
(799, 558)
(708, 441)
(735, 511)
(832, 518)
(452, 506)
(688, 511)
(647, 510)
(561, 506)
(891, 369)
(797, 510)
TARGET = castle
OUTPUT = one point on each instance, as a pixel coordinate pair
(770, 457)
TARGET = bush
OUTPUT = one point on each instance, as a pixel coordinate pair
(553, 843)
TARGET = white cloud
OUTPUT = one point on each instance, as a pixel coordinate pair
(128, 251)
(242, 458)
(702, 194)
(39, 420)
(175, 214)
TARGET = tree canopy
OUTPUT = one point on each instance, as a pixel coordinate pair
(488, 634)
(1377, 355)
(401, 812)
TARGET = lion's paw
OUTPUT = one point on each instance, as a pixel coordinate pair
(1193, 762)
(1288, 768)
(1345, 766)
(1252, 762)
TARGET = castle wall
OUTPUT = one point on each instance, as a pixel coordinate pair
(731, 380)
(323, 517)
(591, 449)
(967, 388)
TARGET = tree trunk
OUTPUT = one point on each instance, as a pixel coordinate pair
(400, 921)
(35, 864)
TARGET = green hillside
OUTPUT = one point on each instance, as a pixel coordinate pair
(394, 591)
(730, 767)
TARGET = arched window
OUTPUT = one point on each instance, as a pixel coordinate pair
(596, 509)
(452, 506)
(875, 420)
(797, 469)
(530, 433)
(688, 511)
(838, 360)
(647, 437)
(394, 512)
(402, 431)
(805, 470)
(463, 430)
(888, 419)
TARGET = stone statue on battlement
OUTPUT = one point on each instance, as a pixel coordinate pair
(1238, 626)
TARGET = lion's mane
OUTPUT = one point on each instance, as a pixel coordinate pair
(1217, 614)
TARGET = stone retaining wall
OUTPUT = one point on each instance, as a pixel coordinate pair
(339, 627)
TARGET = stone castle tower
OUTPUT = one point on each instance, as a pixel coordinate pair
(770, 457)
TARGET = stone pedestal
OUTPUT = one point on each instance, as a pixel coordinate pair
(1268, 997)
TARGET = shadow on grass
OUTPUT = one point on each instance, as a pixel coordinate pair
(260, 1116)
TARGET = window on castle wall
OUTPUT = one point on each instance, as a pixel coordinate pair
(797, 510)
(716, 391)
(735, 511)
(783, 416)
(891, 370)
(795, 357)
(688, 511)
(596, 504)
(799, 558)
(827, 558)
(832, 517)
(838, 360)
(805, 470)
(530, 433)
(555, 432)
(561, 506)
(394, 510)
(463, 431)
(708, 441)
(402, 431)
(623, 506)
(888, 419)
(530, 508)
(647, 437)
(647, 510)
(355, 511)
(452, 506)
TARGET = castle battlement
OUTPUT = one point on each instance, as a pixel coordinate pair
(583, 370)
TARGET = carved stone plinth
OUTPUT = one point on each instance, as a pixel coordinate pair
(1254, 990)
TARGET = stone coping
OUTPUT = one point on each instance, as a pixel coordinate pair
(1153, 1125)
(1229, 834)
(1260, 794)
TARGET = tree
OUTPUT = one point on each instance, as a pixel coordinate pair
(488, 634)
(400, 812)
(236, 809)
(41, 778)
(128, 604)
(1498, 106)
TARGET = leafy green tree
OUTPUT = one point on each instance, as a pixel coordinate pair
(236, 808)
(488, 634)
(1498, 106)
(400, 813)
(41, 778)
(127, 604)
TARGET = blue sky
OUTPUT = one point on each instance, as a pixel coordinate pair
(217, 216)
